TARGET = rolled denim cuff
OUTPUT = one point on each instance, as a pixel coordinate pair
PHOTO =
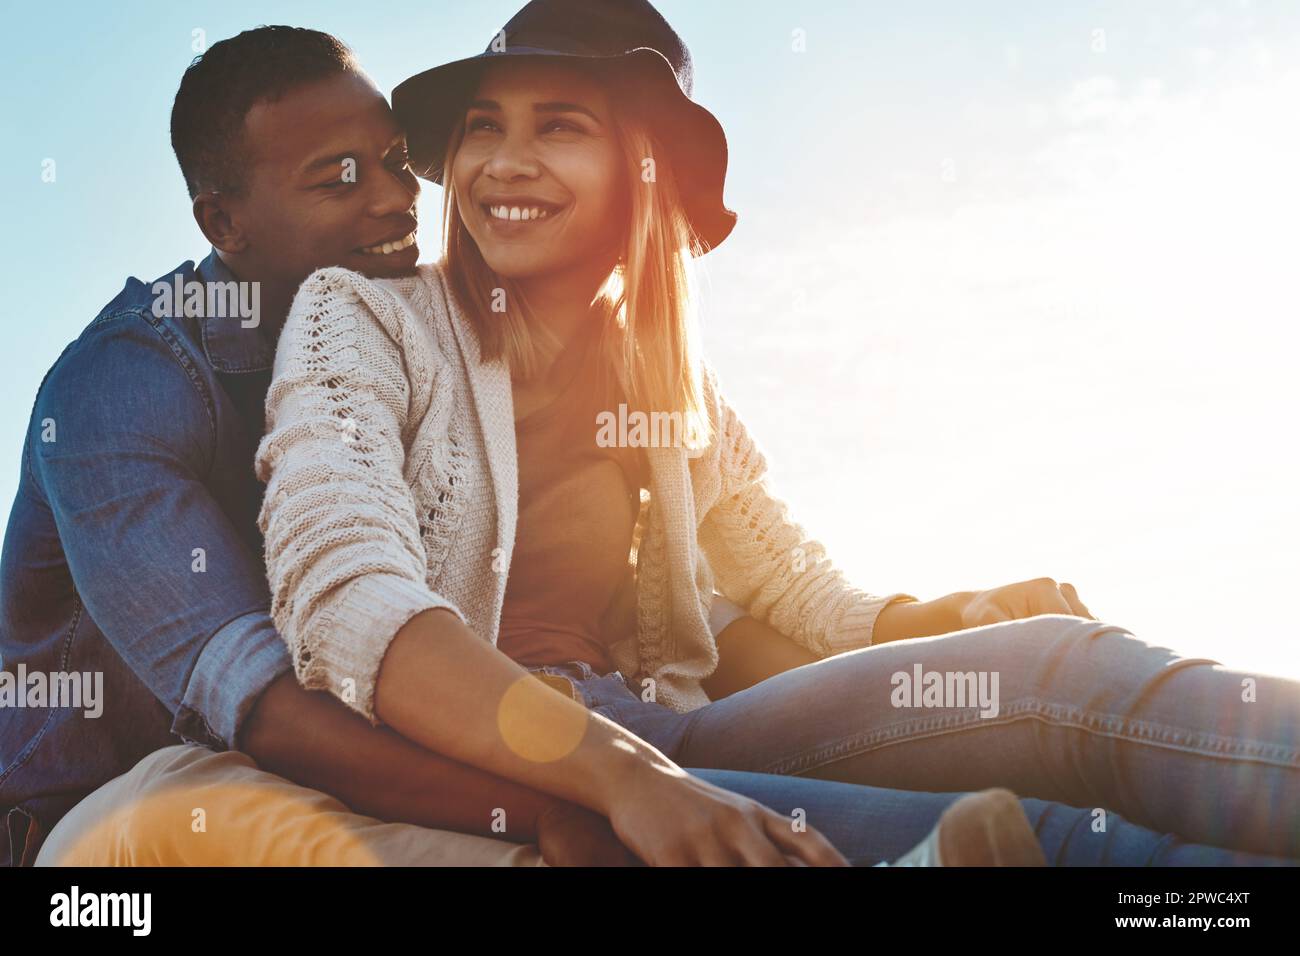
(235, 667)
(721, 613)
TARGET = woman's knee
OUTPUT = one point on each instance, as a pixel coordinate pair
(1058, 642)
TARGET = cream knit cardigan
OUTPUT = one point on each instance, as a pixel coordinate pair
(392, 488)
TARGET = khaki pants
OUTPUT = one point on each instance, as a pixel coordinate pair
(190, 806)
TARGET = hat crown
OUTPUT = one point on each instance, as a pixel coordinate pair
(600, 28)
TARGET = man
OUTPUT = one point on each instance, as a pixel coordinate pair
(132, 550)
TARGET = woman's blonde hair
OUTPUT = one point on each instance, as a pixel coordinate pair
(646, 304)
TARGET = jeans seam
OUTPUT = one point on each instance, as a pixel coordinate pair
(1030, 709)
(692, 721)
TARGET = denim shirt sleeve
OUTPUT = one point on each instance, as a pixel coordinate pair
(160, 569)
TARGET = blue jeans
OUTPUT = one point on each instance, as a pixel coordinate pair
(1123, 753)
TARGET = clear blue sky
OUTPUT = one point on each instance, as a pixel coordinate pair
(1007, 298)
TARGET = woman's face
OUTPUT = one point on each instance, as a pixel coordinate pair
(538, 176)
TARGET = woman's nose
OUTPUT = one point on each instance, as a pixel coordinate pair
(512, 158)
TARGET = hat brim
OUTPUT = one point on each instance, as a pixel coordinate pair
(429, 104)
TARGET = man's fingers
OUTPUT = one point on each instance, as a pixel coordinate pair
(1072, 598)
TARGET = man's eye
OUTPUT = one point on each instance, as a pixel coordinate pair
(561, 126)
(333, 184)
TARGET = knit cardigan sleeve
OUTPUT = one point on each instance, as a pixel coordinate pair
(763, 559)
(344, 555)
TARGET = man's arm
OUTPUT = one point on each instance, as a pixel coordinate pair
(125, 483)
(315, 740)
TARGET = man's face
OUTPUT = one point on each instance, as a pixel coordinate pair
(327, 184)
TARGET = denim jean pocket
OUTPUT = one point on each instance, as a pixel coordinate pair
(559, 682)
(597, 692)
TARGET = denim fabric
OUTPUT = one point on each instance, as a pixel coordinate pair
(1094, 727)
(871, 825)
(132, 549)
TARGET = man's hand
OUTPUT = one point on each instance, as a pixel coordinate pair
(570, 835)
(1023, 599)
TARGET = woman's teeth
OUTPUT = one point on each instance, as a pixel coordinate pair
(388, 248)
(517, 212)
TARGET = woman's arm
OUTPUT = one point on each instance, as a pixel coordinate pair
(750, 651)
(347, 567)
(898, 622)
(349, 595)
(442, 686)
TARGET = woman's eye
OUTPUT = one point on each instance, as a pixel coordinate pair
(479, 124)
(561, 126)
(334, 184)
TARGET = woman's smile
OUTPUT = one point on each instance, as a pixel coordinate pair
(524, 217)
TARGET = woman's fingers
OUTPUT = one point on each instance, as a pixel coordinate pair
(1046, 597)
(988, 607)
(993, 613)
(1072, 598)
(809, 847)
(756, 848)
(735, 839)
(1024, 599)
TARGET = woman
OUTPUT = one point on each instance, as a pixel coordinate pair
(455, 464)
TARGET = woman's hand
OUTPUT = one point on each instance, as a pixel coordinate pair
(1023, 599)
(669, 818)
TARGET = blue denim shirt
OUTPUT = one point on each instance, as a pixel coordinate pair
(132, 550)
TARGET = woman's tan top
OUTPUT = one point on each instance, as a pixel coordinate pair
(571, 591)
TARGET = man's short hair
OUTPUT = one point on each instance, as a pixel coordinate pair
(221, 85)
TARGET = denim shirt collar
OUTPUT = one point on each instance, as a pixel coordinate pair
(228, 345)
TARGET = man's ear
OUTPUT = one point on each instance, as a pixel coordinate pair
(219, 225)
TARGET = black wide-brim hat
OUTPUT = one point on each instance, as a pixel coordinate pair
(620, 33)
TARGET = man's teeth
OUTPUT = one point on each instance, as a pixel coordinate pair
(517, 212)
(388, 248)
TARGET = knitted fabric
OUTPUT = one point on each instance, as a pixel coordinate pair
(392, 488)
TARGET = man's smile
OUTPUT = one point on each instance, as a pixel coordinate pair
(389, 247)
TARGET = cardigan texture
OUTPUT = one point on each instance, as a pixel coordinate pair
(392, 488)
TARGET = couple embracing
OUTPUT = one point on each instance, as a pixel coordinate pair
(366, 586)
